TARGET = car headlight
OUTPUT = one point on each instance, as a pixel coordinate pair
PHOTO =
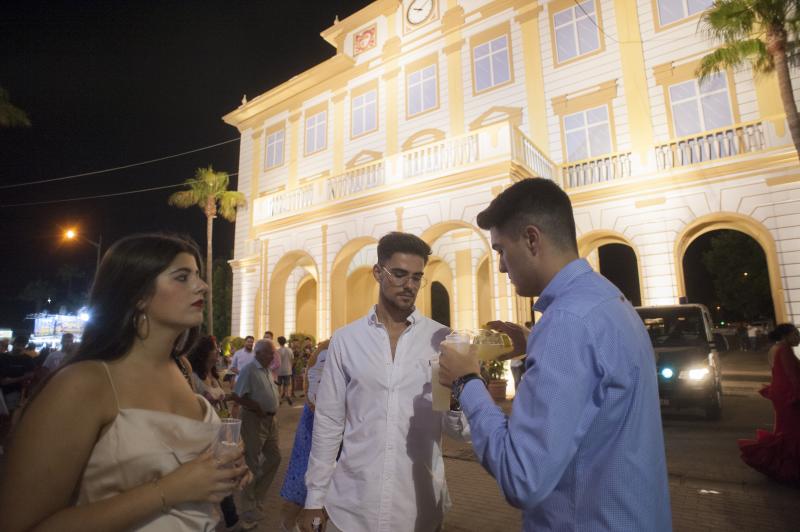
(667, 373)
(696, 374)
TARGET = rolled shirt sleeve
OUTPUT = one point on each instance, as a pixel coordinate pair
(556, 403)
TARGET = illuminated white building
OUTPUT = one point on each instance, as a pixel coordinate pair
(429, 108)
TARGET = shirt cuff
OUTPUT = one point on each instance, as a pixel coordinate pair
(474, 396)
(314, 500)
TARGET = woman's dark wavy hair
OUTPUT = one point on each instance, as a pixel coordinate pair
(126, 276)
(781, 331)
(198, 357)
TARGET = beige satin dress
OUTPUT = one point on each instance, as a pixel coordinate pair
(143, 445)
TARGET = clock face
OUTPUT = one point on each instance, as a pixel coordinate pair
(419, 11)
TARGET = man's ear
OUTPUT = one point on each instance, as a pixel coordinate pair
(376, 272)
(533, 239)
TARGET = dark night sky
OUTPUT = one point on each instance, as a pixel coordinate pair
(111, 83)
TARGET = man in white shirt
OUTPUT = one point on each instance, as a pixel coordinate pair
(374, 401)
(56, 358)
(243, 356)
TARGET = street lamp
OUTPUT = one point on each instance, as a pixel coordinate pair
(71, 234)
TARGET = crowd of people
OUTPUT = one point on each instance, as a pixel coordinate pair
(120, 431)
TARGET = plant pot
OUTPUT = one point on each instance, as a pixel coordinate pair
(497, 389)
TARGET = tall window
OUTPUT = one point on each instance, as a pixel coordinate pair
(588, 133)
(699, 106)
(316, 132)
(364, 113)
(491, 60)
(422, 90)
(673, 10)
(275, 142)
(576, 31)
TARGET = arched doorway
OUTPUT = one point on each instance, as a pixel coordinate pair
(726, 270)
(287, 277)
(362, 292)
(618, 264)
(340, 271)
(611, 254)
(440, 303)
(743, 224)
(306, 316)
(457, 249)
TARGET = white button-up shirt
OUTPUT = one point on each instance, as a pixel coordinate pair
(390, 475)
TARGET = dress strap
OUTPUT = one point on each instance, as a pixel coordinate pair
(111, 381)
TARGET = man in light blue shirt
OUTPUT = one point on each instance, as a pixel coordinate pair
(583, 449)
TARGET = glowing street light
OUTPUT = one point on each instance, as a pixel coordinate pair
(72, 234)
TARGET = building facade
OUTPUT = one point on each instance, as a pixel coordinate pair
(429, 108)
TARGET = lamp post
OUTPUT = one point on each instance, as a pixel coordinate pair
(71, 234)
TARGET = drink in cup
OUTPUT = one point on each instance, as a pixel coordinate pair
(441, 394)
(228, 438)
(489, 345)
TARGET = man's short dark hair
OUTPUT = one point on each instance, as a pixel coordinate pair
(248, 337)
(535, 201)
(282, 340)
(397, 242)
(269, 333)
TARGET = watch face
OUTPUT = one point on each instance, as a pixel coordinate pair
(419, 11)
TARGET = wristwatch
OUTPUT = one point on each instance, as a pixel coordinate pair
(458, 387)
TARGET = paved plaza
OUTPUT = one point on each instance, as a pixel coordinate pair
(710, 487)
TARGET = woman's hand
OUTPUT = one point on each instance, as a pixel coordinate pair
(204, 479)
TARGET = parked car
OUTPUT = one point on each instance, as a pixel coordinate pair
(687, 360)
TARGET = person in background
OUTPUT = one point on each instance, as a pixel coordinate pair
(256, 393)
(293, 490)
(56, 358)
(286, 356)
(89, 452)
(203, 359)
(3, 346)
(16, 373)
(583, 448)
(777, 453)
(243, 356)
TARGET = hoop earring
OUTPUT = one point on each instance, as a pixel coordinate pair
(136, 325)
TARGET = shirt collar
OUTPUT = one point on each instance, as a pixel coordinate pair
(559, 283)
(372, 317)
(257, 363)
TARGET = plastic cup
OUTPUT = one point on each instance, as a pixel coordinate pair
(440, 394)
(228, 438)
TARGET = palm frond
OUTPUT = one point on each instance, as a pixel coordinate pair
(229, 202)
(733, 55)
(10, 115)
(183, 199)
(730, 20)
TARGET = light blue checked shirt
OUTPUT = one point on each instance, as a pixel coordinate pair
(583, 449)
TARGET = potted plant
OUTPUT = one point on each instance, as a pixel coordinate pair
(496, 383)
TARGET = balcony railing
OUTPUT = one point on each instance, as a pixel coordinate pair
(482, 147)
(444, 155)
(356, 180)
(596, 170)
(712, 145)
(527, 154)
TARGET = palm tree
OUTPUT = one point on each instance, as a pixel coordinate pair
(763, 33)
(11, 116)
(209, 191)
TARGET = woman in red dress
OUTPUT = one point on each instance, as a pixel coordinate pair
(777, 453)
